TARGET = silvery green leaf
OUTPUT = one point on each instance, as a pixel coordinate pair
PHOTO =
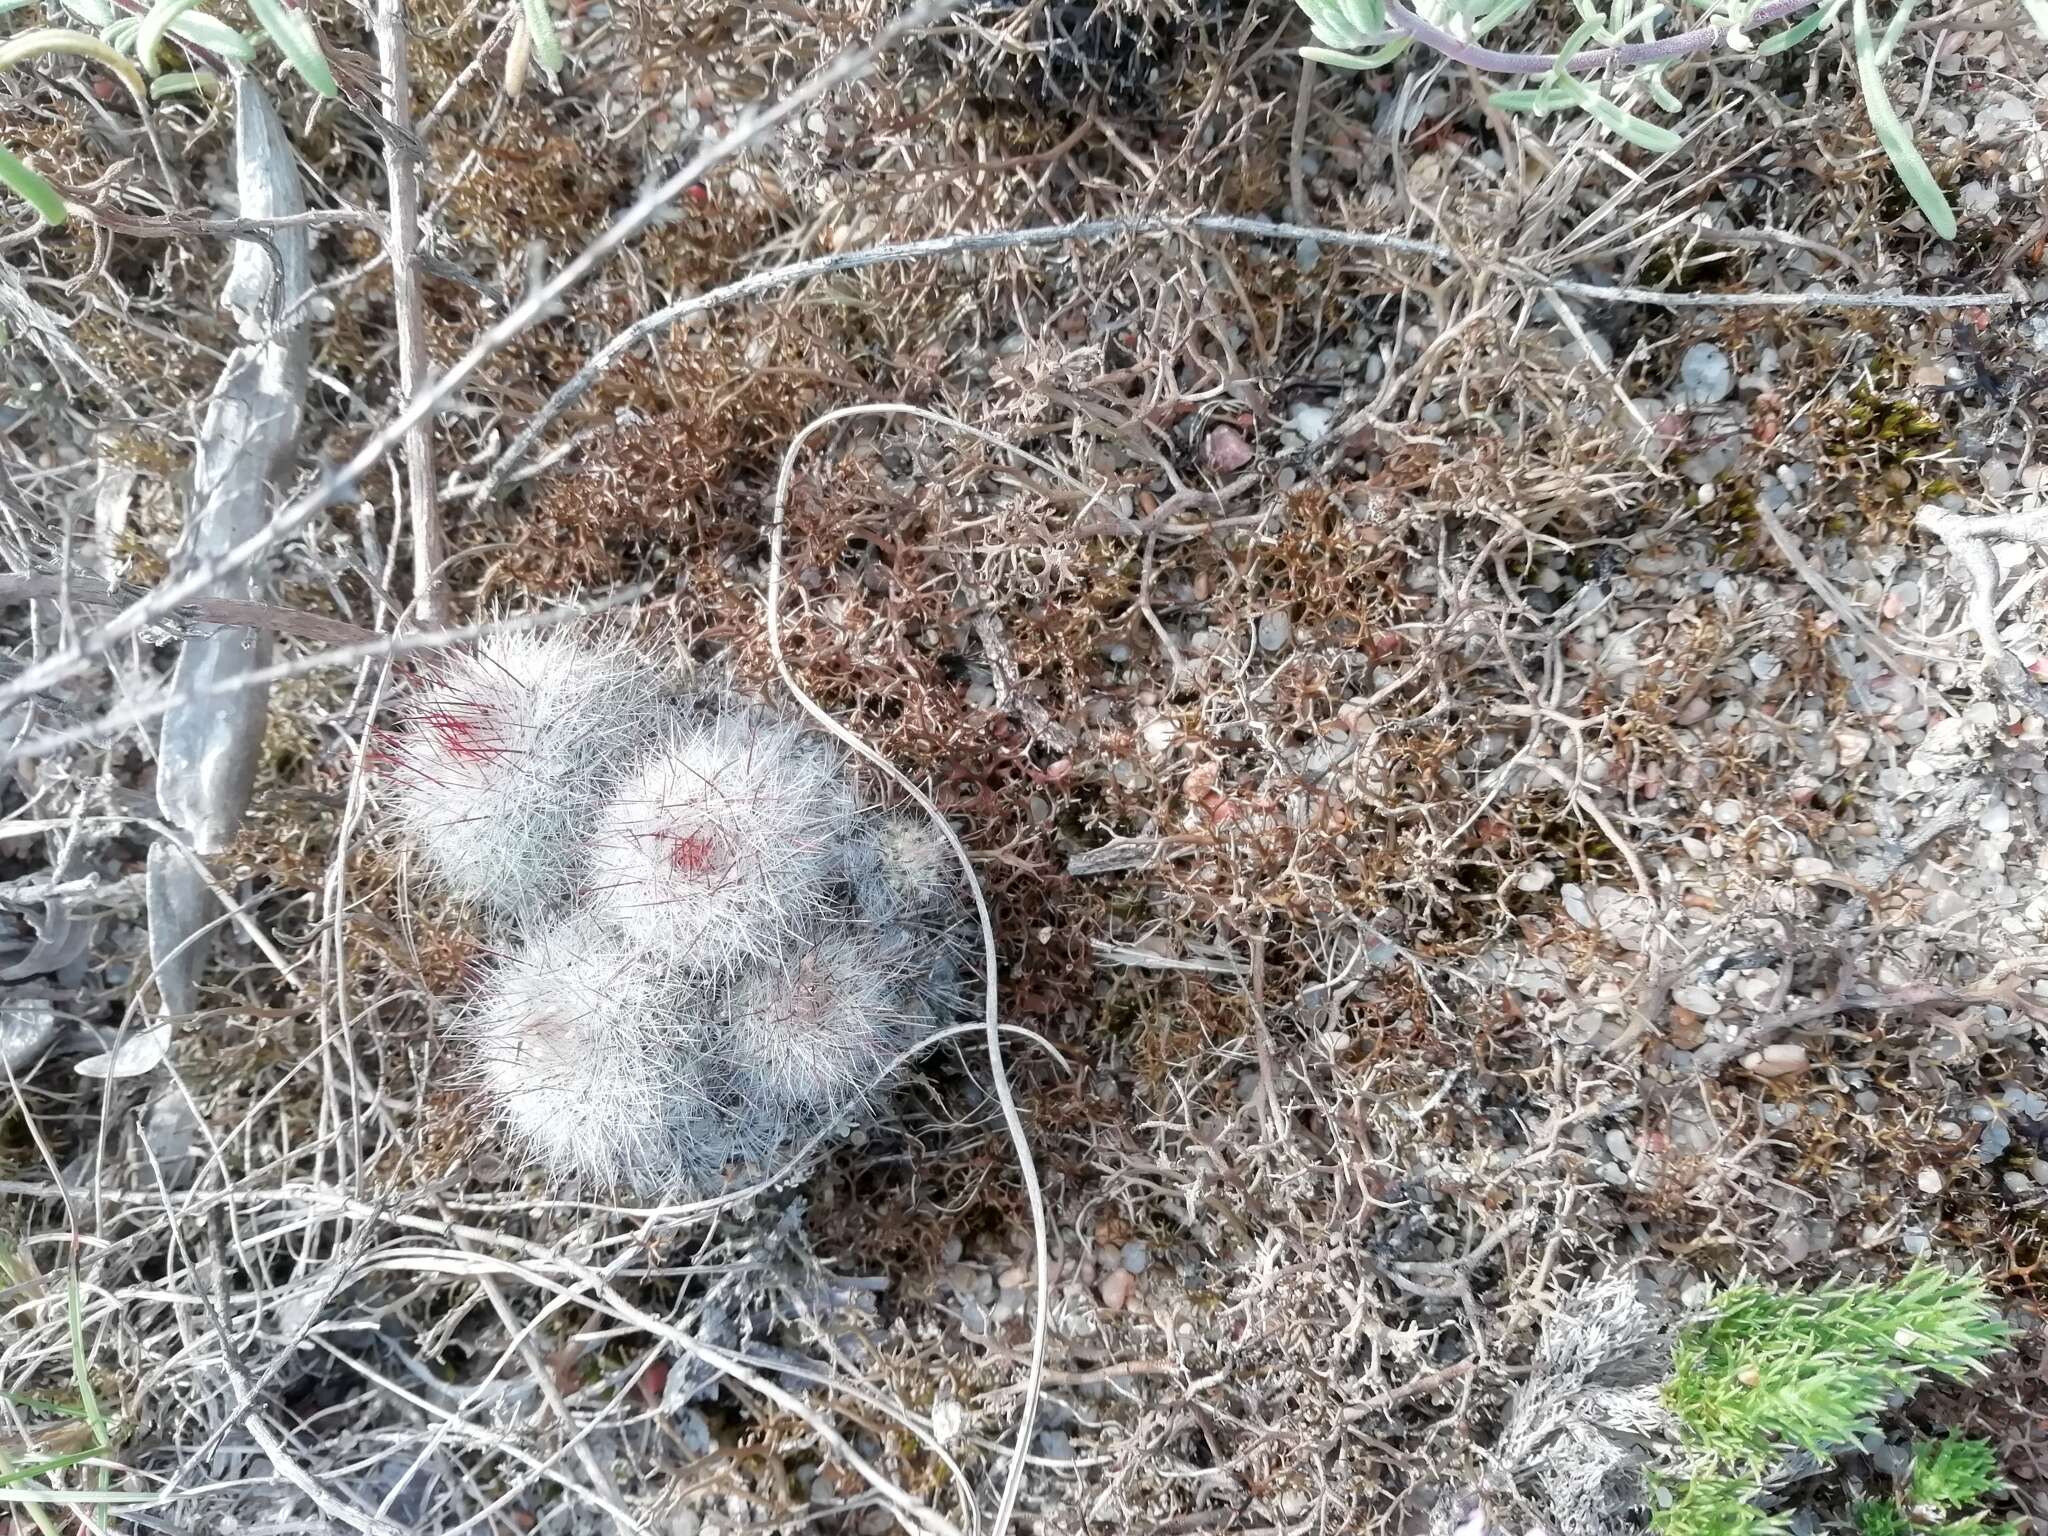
(1801, 30)
(1506, 11)
(156, 21)
(1334, 59)
(297, 41)
(182, 82)
(32, 189)
(1892, 134)
(1367, 17)
(547, 42)
(215, 36)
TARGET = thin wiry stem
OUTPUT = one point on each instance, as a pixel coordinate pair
(999, 1074)
(429, 543)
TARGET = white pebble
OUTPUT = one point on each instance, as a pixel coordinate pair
(1705, 376)
(1311, 423)
(1785, 1059)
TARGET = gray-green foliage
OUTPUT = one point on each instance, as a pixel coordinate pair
(1610, 59)
(1771, 1373)
(142, 50)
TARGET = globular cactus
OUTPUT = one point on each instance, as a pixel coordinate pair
(718, 847)
(725, 947)
(814, 1033)
(505, 754)
(574, 1040)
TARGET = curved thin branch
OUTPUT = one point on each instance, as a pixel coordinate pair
(777, 278)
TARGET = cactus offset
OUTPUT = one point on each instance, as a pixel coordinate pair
(718, 848)
(505, 754)
(575, 1040)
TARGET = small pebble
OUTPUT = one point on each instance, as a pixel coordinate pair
(1054, 1445)
(1705, 376)
(1117, 1288)
(1929, 1182)
(1227, 450)
(1136, 1257)
(1311, 423)
(1275, 630)
(1785, 1059)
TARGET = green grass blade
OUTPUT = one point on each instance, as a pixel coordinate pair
(36, 1512)
(48, 1405)
(294, 37)
(32, 189)
(1891, 133)
(16, 1475)
(88, 1400)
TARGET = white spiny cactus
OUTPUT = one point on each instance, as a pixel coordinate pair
(724, 948)
(506, 753)
(718, 848)
(817, 1030)
(580, 1045)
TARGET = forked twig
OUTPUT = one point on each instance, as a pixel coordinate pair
(1969, 540)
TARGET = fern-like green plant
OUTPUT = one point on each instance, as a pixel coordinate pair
(1954, 1472)
(1880, 1517)
(1620, 46)
(1720, 1506)
(1772, 1372)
